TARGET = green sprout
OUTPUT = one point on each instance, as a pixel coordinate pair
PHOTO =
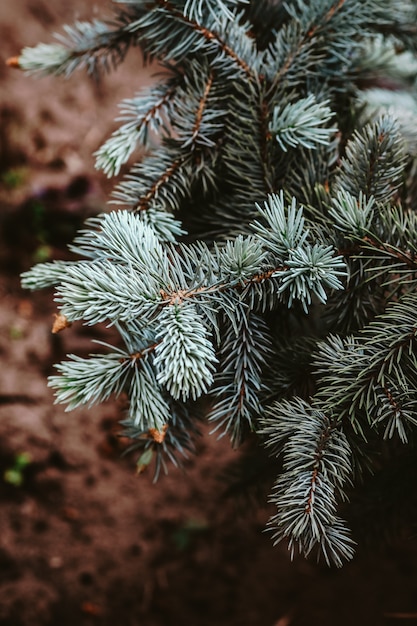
(14, 177)
(15, 474)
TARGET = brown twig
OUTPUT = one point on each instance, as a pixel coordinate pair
(143, 203)
(202, 105)
(137, 356)
(315, 473)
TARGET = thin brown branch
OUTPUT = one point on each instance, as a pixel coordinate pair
(138, 356)
(177, 297)
(309, 35)
(313, 485)
(265, 140)
(149, 115)
(394, 404)
(325, 435)
(143, 203)
(202, 106)
(372, 165)
(404, 256)
(333, 9)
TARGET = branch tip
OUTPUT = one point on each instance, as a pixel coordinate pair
(13, 62)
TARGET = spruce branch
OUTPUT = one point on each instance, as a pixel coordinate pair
(185, 356)
(282, 140)
(301, 124)
(85, 45)
(316, 469)
(374, 387)
(105, 375)
(146, 187)
(174, 441)
(165, 25)
(374, 162)
(44, 275)
(352, 215)
(144, 114)
(245, 347)
(283, 227)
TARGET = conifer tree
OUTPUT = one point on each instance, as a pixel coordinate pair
(263, 252)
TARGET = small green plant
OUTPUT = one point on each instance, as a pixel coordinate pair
(15, 474)
(42, 253)
(187, 532)
(14, 178)
(16, 332)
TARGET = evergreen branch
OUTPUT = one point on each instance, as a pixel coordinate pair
(184, 356)
(93, 380)
(195, 9)
(301, 124)
(87, 44)
(237, 310)
(124, 239)
(352, 215)
(302, 43)
(403, 258)
(309, 271)
(283, 228)
(145, 188)
(163, 174)
(244, 144)
(327, 17)
(373, 367)
(244, 349)
(145, 201)
(265, 137)
(175, 439)
(44, 275)
(208, 34)
(240, 260)
(104, 374)
(374, 162)
(143, 113)
(316, 467)
(392, 337)
(284, 57)
(101, 291)
(163, 26)
(363, 298)
(306, 273)
(148, 408)
(396, 411)
(198, 117)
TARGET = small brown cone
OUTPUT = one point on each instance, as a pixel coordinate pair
(60, 323)
(158, 435)
(13, 62)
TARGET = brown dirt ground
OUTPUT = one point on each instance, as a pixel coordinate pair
(83, 539)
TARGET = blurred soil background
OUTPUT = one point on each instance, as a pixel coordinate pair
(84, 540)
